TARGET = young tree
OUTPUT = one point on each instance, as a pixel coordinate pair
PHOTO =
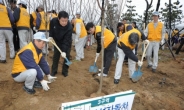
(176, 13)
(130, 13)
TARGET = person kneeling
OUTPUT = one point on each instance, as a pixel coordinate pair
(30, 65)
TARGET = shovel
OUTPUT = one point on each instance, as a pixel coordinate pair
(53, 42)
(137, 74)
(93, 68)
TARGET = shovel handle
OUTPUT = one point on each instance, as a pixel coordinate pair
(96, 58)
(145, 48)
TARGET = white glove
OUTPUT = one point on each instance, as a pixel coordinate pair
(97, 54)
(162, 42)
(63, 54)
(51, 78)
(49, 38)
(76, 40)
(146, 41)
(34, 28)
(140, 63)
(44, 85)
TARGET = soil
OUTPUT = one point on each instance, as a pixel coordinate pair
(162, 90)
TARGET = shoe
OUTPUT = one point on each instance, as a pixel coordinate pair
(37, 84)
(105, 75)
(65, 75)
(133, 81)
(149, 66)
(53, 74)
(154, 70)
(2, 61)
(12, 57)
(116, 81)
(29, 91)
(75, 60)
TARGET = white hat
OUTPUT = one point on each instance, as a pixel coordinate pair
(41, 36)
(22, 2)
(1, 1)
(78, 13)
(155, 13)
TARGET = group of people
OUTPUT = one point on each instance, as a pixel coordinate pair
(30, 65)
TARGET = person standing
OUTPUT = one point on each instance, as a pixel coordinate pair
(110, 42)
(6, 22)
(156, 33)
(22, 20)
(30, 66)
(61, 31)
(15, 31)
(80, 37)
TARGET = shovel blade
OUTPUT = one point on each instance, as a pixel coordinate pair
(93, 68)
(68, 62)
(136, 76)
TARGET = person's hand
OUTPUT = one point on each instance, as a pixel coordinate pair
(97, 54)
(49, 38)
(140, 63)
(76, 40)
(63, 54)
(44, 84)
(34, 28)
(146, 41)
(51, 78)
(162, 42)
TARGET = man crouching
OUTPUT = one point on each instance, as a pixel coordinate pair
(30, 66)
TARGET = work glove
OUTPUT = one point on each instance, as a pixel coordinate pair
(140, 63)
(146, 41)
(97, 54)
(51, 78)
(34, 28)
(63, 54)
(76, 40)
(162, 42)
(44, 85)
(49, 38)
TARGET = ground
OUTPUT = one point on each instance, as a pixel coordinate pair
(151, 94)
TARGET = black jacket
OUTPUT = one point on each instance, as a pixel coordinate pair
(61, 35)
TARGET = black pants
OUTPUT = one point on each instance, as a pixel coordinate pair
(179, 48)
(108, 55)
(56, 58)
(16, 39)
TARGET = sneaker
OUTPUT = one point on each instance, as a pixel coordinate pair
(37, 84)
(116, 81)
(149, 66)
(2, 61)
(154, 70)
(29, 91)
(105, 75)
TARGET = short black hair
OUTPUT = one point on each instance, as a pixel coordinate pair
(24, 6)
(13, 1)
(119, 24)
(89, 25)
(63, 14)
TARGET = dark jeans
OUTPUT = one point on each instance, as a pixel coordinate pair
(56, 58)
(108, 55)
(16, 39)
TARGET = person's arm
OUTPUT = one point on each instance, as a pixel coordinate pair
(143, 37)
(16, 14)
(146, 31)
(51, 27)
(98, 38)
(67, 40)
(38, 20)
(163, 33)
(128, 52)
(31, 21)
(10, 15)
(44, 66)
(27, 59)
(78, 30)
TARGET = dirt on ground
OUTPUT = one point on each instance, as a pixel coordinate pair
(162, 90)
